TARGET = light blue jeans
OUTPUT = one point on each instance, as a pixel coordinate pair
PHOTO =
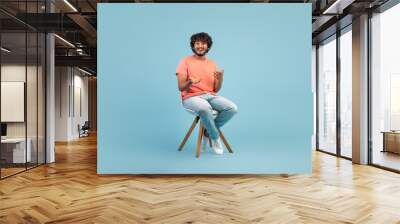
(204, 104)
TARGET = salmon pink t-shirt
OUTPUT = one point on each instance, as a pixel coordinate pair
(203, 68)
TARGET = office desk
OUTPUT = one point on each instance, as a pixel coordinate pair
(15, 148)
(391, 141)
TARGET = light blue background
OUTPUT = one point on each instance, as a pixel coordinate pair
(265, 50)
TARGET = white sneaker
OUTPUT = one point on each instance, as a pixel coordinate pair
(216, 145)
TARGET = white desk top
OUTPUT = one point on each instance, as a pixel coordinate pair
(13, 140)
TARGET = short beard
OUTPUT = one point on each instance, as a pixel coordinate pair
(200, 55)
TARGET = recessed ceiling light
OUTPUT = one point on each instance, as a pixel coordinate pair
(64, 40)
(5, 50)
(84, 71)
(338, 6)
(70, 5)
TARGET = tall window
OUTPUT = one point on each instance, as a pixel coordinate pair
(385, 88)
(346, 92)
(327, 95)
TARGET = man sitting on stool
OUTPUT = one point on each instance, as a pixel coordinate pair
(199, 80)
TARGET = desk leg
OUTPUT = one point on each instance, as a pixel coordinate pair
(384, 143)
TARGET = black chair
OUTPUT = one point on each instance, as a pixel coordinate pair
(84, 130)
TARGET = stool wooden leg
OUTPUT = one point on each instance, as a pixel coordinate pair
(201, 132)
(188, 133)
(225, 141)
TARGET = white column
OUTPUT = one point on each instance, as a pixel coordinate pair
(50, 82)
(360, 90)
(50, 91)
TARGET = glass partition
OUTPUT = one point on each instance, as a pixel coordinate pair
(14, 152)
(22, 101)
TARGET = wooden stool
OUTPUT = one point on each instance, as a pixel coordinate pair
(200, 136)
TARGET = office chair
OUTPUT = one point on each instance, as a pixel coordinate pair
(84, 130)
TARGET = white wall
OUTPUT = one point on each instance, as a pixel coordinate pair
(15, 72)
(62, 81)
(79, 117)
(70, 84)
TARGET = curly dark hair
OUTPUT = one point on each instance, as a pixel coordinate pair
(201, 37)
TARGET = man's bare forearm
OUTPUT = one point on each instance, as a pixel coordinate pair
(218, 84)
(186, 85)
